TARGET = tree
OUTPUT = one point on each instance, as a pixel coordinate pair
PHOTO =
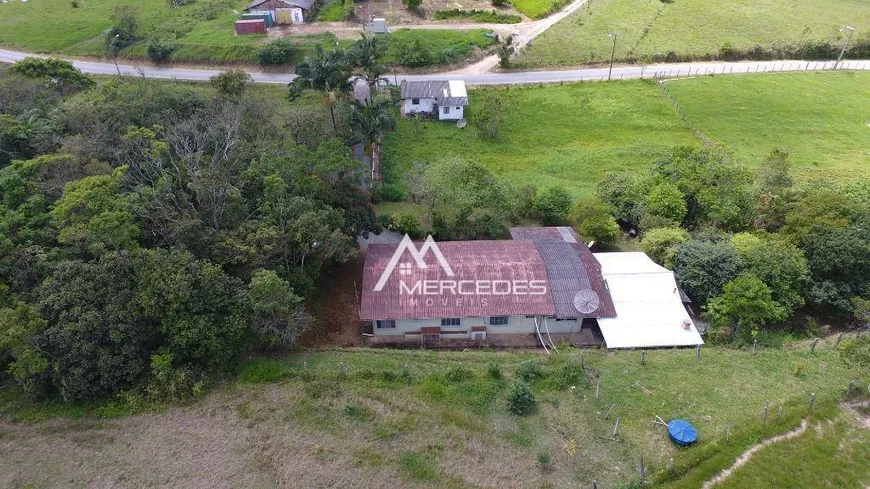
(199, 311)
(594, 220)
(744, 306)
(96, 339)
(124, 30)
(702, 268)
(94, 217)
(552, 205)
(371, 121)
(20, 327)
(716, 190)
(326, 70)
(278, 314)
(623, 191)
(773, 176)
(661, 244)
(366, 54)
(232, 84)
(489, 114)
(666, 202)
(818, 209)
(839, 264)
(504, 50)
(55, 73)
(781, 266)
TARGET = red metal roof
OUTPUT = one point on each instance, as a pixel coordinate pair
(480, 261)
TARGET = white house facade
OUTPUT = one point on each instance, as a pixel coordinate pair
(445, 100)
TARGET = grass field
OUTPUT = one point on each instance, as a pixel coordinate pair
(558, 135)
(537, 9)
(408, 419)
(840, 443)
(690, 28)
(821, 119)
(571, 135)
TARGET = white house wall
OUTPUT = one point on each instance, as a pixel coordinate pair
(425, 106)
(516, 325)
(456, 113)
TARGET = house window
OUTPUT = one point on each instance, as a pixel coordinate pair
(446, 110)
(431, 338)
(457, 108)
(386, 324)
(451, 322)
(415, 101)
(498, 321)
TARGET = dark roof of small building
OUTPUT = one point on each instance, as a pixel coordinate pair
(437, 89)
(272, 4)
(571, 268)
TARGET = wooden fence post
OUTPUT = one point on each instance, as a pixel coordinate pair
(598, 389)
(728, 433)
(616, 429)
(766, 406)
(812, 400)
(642, 472)
(671, 468)
(698, 352)
(839, 337)
(850, 388)
(643, 357)
(813, 347)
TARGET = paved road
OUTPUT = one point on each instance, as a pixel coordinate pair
(526, 77)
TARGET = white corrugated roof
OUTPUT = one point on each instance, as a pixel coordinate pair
(649, 311)
(457, 88)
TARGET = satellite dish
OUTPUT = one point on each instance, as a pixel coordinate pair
(586, 301)
(461, 123)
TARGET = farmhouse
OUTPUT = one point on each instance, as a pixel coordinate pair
(282, 11)
(444, 99)
(542, 286)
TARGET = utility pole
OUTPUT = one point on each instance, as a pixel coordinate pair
(612, 36)
(845, 46)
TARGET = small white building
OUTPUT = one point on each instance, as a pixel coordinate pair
(443, 99)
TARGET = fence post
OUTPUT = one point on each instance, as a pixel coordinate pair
(594, 484)
(766, 406)
(839, 337)
(609, 410)
(850, 388)
(643, 357)
(754, 345)
(728, 433)
(812, 400)
(598, 389)
(615, 429)
(779, 412)
(642, 472)
(698, 352)
(813, 347)
(671, 468)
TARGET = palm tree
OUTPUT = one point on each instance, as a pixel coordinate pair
(371, 121)
(366, 54)
(326, 70)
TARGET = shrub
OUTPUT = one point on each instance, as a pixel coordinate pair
(159, 49)
(412, 4)
(231, 84)
(493, 370)
(544, 460)
(408, 224)
(661, 244)
(595, 221)
(458, 374)
(412, 53)
(571, 375)
(552, 205)
(530, 371)
(488, 16)
(276, 52)
(521, 399)
(498, 3)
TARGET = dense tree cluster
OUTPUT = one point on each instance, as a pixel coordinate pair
(752, 249)
(149, 232)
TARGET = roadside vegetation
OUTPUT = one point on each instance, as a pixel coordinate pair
(658, 31)
(200, 31)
